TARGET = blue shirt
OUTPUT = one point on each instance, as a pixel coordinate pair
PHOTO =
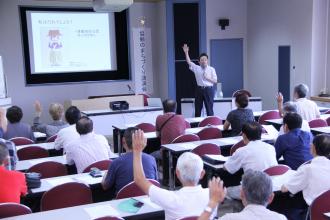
(120, 172)
(294, 146)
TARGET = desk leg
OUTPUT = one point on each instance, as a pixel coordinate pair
(170, 173)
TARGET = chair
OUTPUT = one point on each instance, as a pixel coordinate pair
(186, 138)
(209, 133)
(241, 91)
(13, 209)
(277, 170)
(319, 206)
(146, 127)
(21, 141)
(328, 121)
(327, 112)
(51, 138)
(189, 218)
(66, 195)
(187, 124)
(102, 165)
(210, 120)
(32, 152)
(109, 218)
(236, 146)
(206, 148)
(132, 190)
(316, 123)
(49, 169)
(273, 114)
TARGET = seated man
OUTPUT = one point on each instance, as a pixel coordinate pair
(12, 183)
(88, 148)
(256, 194)
(294, 145)
(291, 107)
(68, 134)
(256, 155)
(238, 117)
(306, 108)
(121, 169)
(56, 112)
(190, 200)
(169, 125)
(15, 127)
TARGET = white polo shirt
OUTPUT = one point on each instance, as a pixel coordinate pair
(255, 212)
(66, 136)
(307, 109)
(312, 179)
(256, 155)
(199, 74)
(188, 201)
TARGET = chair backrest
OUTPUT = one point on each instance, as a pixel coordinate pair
(66, 195)
(241, 91)
(328, 121)
(49, 169)
(315, 123)
(101, 165)
(273, 114)
(210, 120)
(236, 146)
(13, 209)
(327, 112)
(146, 127)
(209, 133)
(189, 218)
(132, 190)
(319, 206)
(32, 152)
(186, 138)
(51, 138)
(187, 124)
(21, 141)
(206, 148)
(277, 170)
(109, 218)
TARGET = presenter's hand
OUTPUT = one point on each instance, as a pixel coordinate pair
(185, 48)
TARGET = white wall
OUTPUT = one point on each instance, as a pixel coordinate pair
(236, 12)
(328, 53)
(11, 51)
(273, 23)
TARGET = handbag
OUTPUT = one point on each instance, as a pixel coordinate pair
(33, 180)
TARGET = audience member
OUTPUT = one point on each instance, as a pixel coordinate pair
(256, 155)
(88, 148)
(15, 127)
(238, 117)
(294, 145)
(256, 194)
(56, 111)
(121, 169)
(12, 183)
(306, 108)
(68, 134)
(190, 200)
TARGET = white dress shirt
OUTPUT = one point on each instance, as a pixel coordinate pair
(255, 212)
(87, 149)
(199, 74)
(312, 179)
(66, 136)
(188, 201)
(256, 155)
(307, 109)
(304, 127)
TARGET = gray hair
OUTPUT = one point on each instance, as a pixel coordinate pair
(301, 90)
(3, 152)
(289, 107)
(190, 167)
(257, 187)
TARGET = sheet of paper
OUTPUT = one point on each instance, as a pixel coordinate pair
(271, 130)
(39, 134)
(279, 180)
(59, 181)
(217, 157)
(148, 202)
(327, 214)
(88, 179)
(101, 211)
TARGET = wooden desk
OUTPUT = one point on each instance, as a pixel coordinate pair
(95, 210)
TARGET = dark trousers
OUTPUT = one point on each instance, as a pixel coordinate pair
(206, 95)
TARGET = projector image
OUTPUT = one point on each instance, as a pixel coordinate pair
(111, 5)
(119, 105)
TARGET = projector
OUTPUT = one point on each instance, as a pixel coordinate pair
(111, 5)
(119, 105)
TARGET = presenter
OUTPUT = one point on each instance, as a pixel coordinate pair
(206, 77)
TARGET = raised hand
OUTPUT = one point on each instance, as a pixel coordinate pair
(217, 191)
(37, 106)
(138, 141)
(279, 98)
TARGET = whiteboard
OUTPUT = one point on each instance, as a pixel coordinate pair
(3, 89)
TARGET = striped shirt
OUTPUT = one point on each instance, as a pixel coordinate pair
(12, 154)
(87, 149)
